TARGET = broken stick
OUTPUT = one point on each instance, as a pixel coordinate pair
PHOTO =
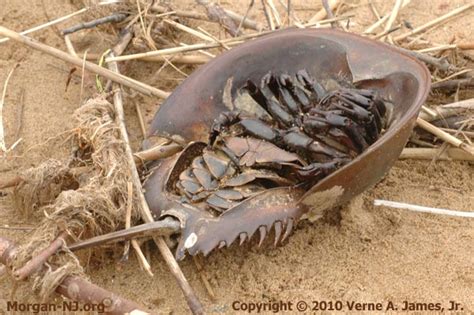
(191, 298)
(118, 78)
(78, 289)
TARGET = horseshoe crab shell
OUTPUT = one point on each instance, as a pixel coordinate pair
(328, 55)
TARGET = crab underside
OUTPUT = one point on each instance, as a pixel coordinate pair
(273, 149)
(283, 135)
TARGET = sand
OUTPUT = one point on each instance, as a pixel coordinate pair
(361, 253)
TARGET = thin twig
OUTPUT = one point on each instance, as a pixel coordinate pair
(374, 10)
(464, 133)
(453, 84)
(191, 298)
(251, 4)
(439, 63)
(385, 33)
(467, 104)
(19, 119)
(275, 13)
(170, 51)
(189, 30)
(462, 46)
(83, 74)
(432, 153)
(248, 23)
(204, 279)
(78, 289)
(230, 42)
(440, 112)
(202, 34)
(3, 147)
(114, 18)
(216, 13)
(17, 228)
(268, 16)
(124, 80)
(36, 262)
(141, 257)
(327, 21)
(70, 47)
(43, 26)
(407, 206)
(14, 145)
(382, 20)
(377, 24)
(291, 13)
(128, 216)
(321, 14)
(142, 24)
(434, 22)
(425, 109)
(118, 103)
(141, 121)
(391, 19)
(445, 136)
(217, 40)
(184, 59)
(201, 51)
(454, 75)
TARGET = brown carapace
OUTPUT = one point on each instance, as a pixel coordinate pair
(272, 141)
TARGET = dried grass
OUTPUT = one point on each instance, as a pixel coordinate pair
(94, 205)
(44, 183)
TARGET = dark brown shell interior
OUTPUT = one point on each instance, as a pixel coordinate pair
(326, 55)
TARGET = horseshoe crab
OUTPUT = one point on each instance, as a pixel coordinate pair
(281, 128)
(331, 60)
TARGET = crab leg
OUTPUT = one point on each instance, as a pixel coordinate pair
(266, 98)
(311, 84)
(317, 171)
(367, 119)
(299, 94)
(368, 100)
(297, 140)
(259, 129)
(285, 96)
(224, 120)
(352, 128)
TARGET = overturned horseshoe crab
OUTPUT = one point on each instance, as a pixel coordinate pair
(194, 185)
(284, 127)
